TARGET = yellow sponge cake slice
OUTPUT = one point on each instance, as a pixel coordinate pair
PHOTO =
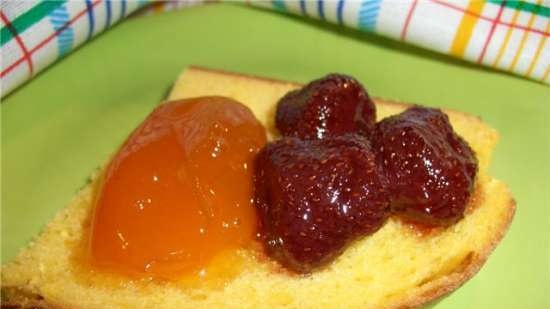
(396, 267)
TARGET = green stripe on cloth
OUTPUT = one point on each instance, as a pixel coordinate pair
(29, 18)
(279, 5)
(534, 8)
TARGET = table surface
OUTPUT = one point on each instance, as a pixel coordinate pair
(63, 124)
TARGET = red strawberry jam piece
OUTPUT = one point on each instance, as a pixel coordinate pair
(333, 105)
(430, 169)
(316, 196)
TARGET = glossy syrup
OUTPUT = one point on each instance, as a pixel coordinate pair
(177, 195)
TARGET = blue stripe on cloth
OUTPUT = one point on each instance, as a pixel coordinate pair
(107, 13)
(321, 9)
(340, 12)
(303, 8)
(278, 5)
(59, 19)
(370, 3)
(368, 14)
(122, 9)
(60, 12)
(91, 19)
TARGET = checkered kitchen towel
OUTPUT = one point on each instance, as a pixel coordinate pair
(507, 35)
(36, 33)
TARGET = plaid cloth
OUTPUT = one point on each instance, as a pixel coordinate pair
(506, 35)
(35, 34)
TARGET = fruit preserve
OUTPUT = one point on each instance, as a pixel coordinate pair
(178, 193)
(336, 175)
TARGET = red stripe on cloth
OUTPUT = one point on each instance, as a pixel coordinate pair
(49, 38)
(26, 54)
(11, 67)
(491, 32)
(454, 7)
(408, 20)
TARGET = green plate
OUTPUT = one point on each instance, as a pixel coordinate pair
(63, 124)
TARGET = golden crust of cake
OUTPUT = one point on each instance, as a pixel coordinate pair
(397, 267)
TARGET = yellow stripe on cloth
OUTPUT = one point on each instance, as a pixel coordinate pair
(466, 27)
(523, 39)
(546, 74)
(539, 50)
(507, 37)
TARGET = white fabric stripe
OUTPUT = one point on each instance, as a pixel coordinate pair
(392, 17)
(39, 31)
(432, 27)
(494, 46)
(527, 53)
(14, 9)
(293, 6)
(350, 15)
(511, 48)
(331, 10)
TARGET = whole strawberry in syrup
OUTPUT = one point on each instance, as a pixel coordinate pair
(330, 106)
(430, 169)
(316, 196)
(322, 185)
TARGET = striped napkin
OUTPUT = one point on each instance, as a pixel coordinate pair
(506, 35)
(35, 34)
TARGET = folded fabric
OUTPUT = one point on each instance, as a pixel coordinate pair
(507, 35)
(35, 34)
